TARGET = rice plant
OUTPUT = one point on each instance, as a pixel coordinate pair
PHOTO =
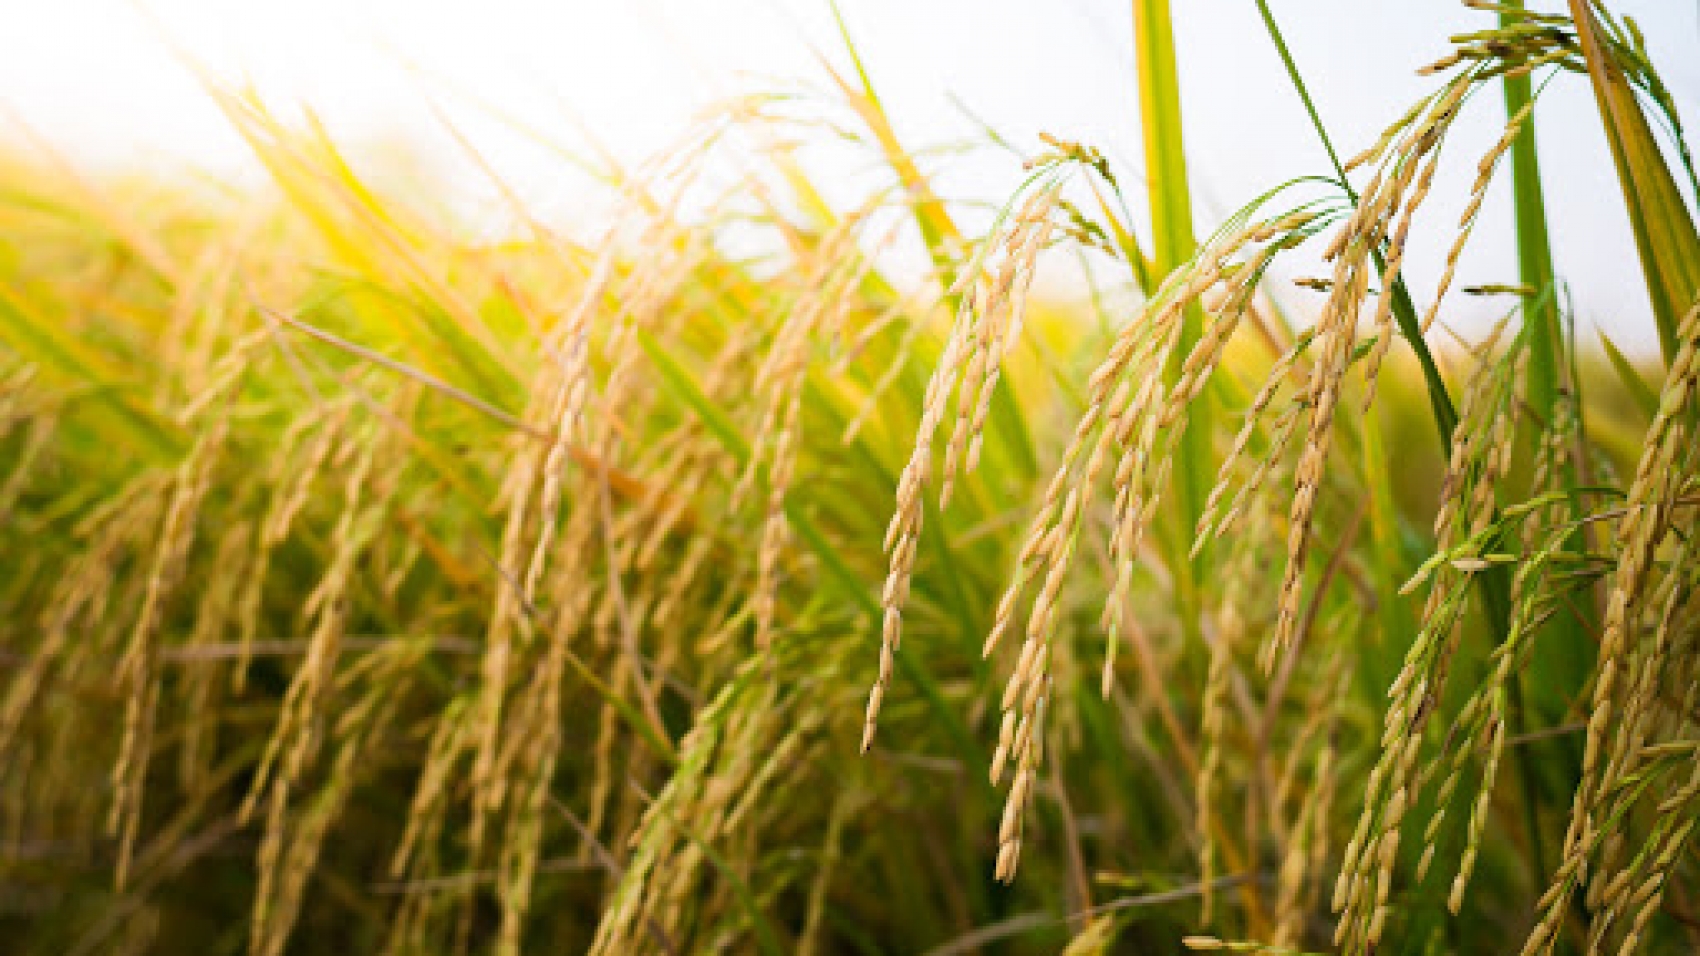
(373, 589)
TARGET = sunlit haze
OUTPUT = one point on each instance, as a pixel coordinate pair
(108, 84)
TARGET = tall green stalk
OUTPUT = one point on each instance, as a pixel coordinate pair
(1545, 335)
(1172, 245)
(1534, 251)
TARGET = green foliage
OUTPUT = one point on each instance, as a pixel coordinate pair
(369, 589)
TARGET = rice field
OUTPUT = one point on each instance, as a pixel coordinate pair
(372, 588)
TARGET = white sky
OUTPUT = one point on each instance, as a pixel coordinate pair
(99, 80)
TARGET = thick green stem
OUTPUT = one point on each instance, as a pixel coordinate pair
(1545, 338)
(1534, 252)
(1172, 245)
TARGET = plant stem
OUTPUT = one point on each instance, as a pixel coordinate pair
(1173, 243)
(1304, 95)
(1534, 252)
(1546, 359)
